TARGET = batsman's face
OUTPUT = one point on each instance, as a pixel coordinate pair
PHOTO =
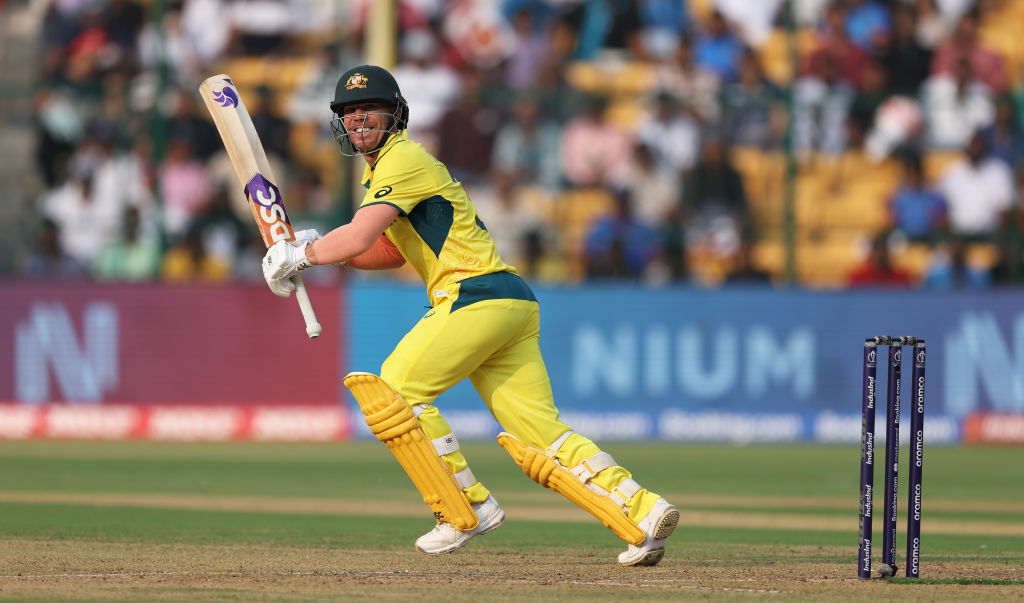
(367, 123)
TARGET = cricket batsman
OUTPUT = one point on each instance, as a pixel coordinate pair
(483, 324)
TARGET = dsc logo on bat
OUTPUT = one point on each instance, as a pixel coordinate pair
(269, 210)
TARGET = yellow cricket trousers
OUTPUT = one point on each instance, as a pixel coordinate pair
(495, 343)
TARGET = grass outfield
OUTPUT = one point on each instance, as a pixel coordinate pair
(242, 522)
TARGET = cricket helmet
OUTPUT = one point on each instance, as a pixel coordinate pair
(361, 84)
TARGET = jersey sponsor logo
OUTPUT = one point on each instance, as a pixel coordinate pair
(358, 80)
(384, 192)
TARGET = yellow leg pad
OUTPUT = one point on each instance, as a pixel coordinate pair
(393, 422)
(549, 473)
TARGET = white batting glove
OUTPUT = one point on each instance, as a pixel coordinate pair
(283, 261)
(309, 235)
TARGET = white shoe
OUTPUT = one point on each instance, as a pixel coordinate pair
(445, 537)
(658, 525)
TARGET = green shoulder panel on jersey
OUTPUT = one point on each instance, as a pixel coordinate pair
(432, 219)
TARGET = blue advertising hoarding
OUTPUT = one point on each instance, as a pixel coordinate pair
(732, 364)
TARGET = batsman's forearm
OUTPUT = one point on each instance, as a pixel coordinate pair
(381, 256)
(339, 246)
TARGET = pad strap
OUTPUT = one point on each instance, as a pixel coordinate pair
(624, 491)
(557, 444)
(445, 444)
(465, 478)
(588, 468)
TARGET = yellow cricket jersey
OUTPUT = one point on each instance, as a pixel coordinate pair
(437, 230)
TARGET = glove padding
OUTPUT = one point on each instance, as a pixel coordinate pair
(284, 260)
(309, 235)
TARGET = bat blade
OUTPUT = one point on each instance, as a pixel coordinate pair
(245, 150)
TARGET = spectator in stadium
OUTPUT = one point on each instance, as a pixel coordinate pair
(189, 261)
(122, 177)
(907, 62)
(678, 74)
(717, 49)
(431, 85)
(167, 42)
(672, 15)
(207, 24)
(1005, 137)
(190, 120)
(605, 25)
(714, 209)
(619, 246)
(835, 52)
(532, 35)
(46, 259)
(670, 132)
(950, 268)
(467, 129)
(955, 105)
(874, 91)
(822, 108)
(979, 190)
(931, 25)
(654, 186)
(916, 209)
(541, 262)
(983, 63)
(275, 131)
(752, 106)
(262, 27)
(867, 23)
(527, 147)
(121, 21)
(877, 269)
(304, 105)
(501, 206)
(133, 257)
(595, 152)
(85, 222)
(223, 233)
(184, 186)
(58, 128)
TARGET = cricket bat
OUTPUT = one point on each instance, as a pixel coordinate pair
(250, 160)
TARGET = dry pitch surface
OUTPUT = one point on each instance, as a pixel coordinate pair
(98, 570)
(314, 523)
(63, 570)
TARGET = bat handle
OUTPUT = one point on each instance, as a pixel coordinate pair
(313, 327)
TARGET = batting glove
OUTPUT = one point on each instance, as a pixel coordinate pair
(283, 261)
(309, 235)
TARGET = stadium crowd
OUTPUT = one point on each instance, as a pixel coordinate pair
(642, 140)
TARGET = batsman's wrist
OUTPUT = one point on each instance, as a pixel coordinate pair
(310, 253)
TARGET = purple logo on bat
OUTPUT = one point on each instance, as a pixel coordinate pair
(228, 96)
(269, 209)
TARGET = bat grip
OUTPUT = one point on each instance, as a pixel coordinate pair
(313, 327)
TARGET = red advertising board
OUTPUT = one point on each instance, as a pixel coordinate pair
(994, 428)
(181, 423)
(162, 344)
